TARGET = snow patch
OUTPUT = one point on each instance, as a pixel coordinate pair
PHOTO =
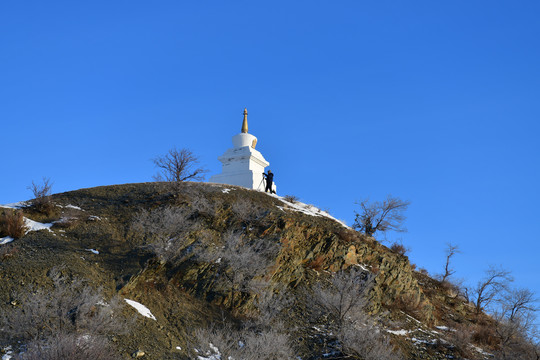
(401, 332)
(209, 356)
(17, 205)
(306, 209)
(93, 251)
(36, 226)
(225, 191)
(143, 310)
(73, 207)
(6, 240)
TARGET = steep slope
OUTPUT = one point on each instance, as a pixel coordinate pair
(163, 246)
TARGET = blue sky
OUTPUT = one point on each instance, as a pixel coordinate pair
(434, 102)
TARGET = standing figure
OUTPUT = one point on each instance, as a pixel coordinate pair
(269, 180)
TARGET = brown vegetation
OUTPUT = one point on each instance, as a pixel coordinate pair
(12, 223)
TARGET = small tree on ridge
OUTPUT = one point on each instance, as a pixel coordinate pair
(178, 165)
(381, 216)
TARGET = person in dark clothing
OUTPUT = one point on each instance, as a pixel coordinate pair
(269, 180)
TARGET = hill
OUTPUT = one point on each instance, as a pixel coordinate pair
(198, 270)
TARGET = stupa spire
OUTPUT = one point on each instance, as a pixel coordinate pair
(244, 123)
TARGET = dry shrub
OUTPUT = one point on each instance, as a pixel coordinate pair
(349, 236)
(461, 339)
(70, 306)
(63, 346)
(42, 196)
(366, 342)
(248, 211)
(163, 231)
(399, 248)
(291, 198)
(409, 305)
(228, 343)
(12, 224)
(484, 334)
(239, 260)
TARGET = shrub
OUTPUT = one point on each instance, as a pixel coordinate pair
(399, 248)
(164, 231)
(12, 224)
(42, 195)
(70, 307)
(461, 339)
(484, 334)
(229, 343)
(63, 346)
(291, 198)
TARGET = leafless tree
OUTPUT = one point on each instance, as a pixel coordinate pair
(490, 287)
(42, 194)
(451, 250)
(178, 165)
(381, 216)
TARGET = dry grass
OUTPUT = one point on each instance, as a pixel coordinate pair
(12, 224)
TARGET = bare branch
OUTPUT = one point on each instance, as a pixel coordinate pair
(489, 288)
(451, 250)
(178, 165)
(381, 216)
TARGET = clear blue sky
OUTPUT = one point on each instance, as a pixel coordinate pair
(436, 102)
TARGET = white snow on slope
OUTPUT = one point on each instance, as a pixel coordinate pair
(6, 240)
(36, 226)
(16, 205)
(73, 207)
(93, 251)
(31, 226)
(143, 310)
(305, 209)
(398, 332)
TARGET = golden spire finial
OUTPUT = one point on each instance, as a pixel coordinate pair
(244, 123)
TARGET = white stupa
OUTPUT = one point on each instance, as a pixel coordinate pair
(242, 164)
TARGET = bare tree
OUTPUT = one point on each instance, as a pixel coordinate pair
(451, 250)
(381, 216)
(178, 165)
(42, 194)
(490, 287)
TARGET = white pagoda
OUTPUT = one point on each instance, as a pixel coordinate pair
(242, 164)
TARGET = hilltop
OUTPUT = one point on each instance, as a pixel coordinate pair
(199, 262)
